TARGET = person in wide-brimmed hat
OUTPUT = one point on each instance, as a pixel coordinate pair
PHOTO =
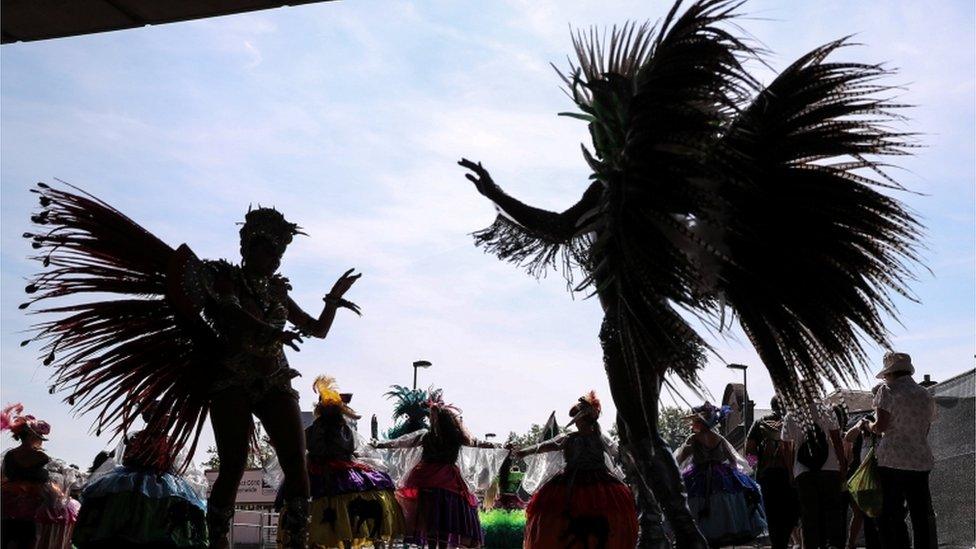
(896, 365)
(904, 412)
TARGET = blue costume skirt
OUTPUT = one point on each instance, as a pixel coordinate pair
(137, 507)
(726, 503)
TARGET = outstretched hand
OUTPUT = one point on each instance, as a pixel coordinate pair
(290, 338)
(345, 282)
(481, 179)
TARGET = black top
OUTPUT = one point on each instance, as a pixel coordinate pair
(769, 444)
(584, 452)
(436, 450)
(34, 473)
(332, 440)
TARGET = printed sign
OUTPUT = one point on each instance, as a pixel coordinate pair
(252, 488)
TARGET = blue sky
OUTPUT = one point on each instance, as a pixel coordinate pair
(349, 116)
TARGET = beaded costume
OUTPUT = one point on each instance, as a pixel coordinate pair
(174, 334)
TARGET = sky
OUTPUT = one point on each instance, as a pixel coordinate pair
(349, 117)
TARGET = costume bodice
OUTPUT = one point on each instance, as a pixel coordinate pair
(13, 470)
(436, 450)
(584, 451)
(330, 440)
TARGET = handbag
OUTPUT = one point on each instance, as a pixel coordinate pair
(865, 486)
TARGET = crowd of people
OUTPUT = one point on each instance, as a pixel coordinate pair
(425, 488)
(805, 469)
(711, 197)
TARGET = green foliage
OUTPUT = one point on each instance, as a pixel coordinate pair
(256, 457)
(410, 409)
(503, 529)
(672, 426)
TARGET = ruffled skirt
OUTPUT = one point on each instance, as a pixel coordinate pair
(38, 510)
(726, 503)
(351, 503)
(590, 508)
(438, 507)
(137, 507)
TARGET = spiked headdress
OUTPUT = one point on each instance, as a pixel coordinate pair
(268, 224)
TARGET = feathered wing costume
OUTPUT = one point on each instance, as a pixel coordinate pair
(154, 331)
(714, 197)
(140, 347)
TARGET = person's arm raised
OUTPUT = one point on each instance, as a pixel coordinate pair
(550, 226)
(333, 301)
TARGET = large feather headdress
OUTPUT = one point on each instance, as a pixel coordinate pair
(329, 396)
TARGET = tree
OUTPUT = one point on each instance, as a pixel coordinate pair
(257, 457)
(672, 426)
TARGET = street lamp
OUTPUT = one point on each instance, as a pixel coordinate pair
(419, 364)
(746, 403)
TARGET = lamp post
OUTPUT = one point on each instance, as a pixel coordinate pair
(419, 364)
(746, 403)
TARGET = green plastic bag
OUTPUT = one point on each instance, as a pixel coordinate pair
(865, 486)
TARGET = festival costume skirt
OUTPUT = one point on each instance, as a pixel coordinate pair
(510, 502)
(726, 503)
(140, 507)
(351, 503)
(42, 505)
(588, 508)
(438, 507)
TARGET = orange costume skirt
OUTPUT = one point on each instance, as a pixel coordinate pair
(588, 508)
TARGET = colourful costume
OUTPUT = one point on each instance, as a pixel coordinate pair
(140, 504)
(582, 499)
(36, 509)
(438, 475)
(154, 326)
(353, 502)
(726, 502)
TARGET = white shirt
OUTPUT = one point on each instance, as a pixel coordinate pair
(794, 431)
(904, 444)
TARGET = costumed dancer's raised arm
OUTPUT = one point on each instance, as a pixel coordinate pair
(333, 301)
(550, 226)
(475, 443)
(551, 445)
(410, 440)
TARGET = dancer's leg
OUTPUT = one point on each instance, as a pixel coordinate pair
(655, 465)
(282, 420)
(230, 414)
(666, 480)
(650, 518)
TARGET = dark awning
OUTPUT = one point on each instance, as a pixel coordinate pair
(26, 20)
